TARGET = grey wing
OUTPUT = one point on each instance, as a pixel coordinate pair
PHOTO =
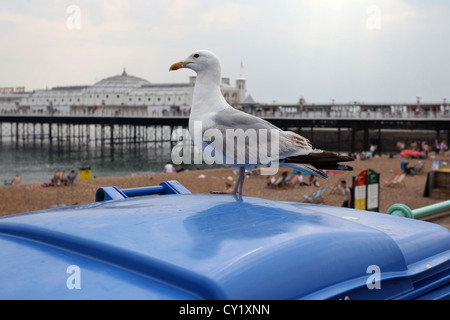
(289, 143)
(292, 150)
(233, 119)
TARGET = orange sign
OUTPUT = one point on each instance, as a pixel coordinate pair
(12, 90)
(360, 190)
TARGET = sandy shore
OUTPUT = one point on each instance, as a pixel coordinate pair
(31, 197)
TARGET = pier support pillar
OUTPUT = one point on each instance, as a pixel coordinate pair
(379, 142)
(353, 140)
(366, 139)
(50, 131)
(111, 128)
(339, 139)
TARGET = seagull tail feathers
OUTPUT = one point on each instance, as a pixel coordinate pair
(319, 156)
(318, 160)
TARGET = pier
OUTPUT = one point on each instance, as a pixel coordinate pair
(366, 124)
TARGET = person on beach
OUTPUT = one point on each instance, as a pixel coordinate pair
(443, 147)
(436, 146)
(228, 188)
(313, 181)
(71, 177)
(16, 180)
(347, 194)
(270, 181)
(425, 149)
(168, 168)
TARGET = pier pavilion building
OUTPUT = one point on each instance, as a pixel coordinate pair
(119, 94)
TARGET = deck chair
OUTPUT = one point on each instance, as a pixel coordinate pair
(278, 182)
(281, 182)
(290, 182)
(58, 178)
(398, 180)
(418, 168)
(405, 168)
(316, 197)
(322, 195)
(336, 189)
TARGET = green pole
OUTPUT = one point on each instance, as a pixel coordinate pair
(404, 211)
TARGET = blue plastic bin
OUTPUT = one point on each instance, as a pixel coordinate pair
(200, 246)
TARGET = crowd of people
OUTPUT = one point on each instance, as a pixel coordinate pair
(57, 180)
(286, 180)
(297, 179)
(16, 180)
(439, 148)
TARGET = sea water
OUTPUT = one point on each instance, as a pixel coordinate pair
(37, 162)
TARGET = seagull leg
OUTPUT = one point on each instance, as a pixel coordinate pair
(239, 182)
(235, 189)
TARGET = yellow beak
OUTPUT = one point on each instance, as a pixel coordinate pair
(178, 65)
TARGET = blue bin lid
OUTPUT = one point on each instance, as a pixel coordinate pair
(200, 246)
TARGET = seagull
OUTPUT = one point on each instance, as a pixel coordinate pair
(217, 119)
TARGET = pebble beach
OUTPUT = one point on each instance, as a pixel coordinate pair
(23, 198)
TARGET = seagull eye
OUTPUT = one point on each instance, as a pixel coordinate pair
(196, 55)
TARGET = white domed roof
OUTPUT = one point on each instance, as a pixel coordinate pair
(123, 82)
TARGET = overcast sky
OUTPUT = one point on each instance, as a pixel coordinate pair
(346, 50)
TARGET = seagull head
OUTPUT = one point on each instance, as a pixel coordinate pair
(199, 61)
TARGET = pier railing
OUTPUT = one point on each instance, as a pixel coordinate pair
(276, 114)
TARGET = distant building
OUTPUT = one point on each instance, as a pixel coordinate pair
(118, 94)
